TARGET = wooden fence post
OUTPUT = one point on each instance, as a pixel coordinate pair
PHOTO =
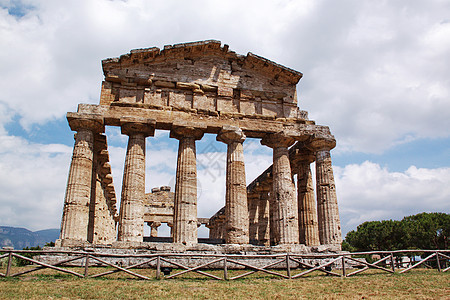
(225, 269)
(86, 265)
(288, 266)
(158, 267)
(437, 260)
(392, 262)
(343, 266)
(8, 266)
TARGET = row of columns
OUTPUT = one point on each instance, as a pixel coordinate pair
(286, 213)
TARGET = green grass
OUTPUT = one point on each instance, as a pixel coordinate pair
(417, 284)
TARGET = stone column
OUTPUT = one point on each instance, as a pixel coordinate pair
(75, 219)
(154, 228)
(307, 213)
(253, 201)
(170, 225)
(327, 206)
(236, 206)
(285, 218)
(263, 219)
(131, 219)
(185, 206)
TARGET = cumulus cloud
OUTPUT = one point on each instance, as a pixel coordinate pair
(380, 66)
(369, 192)
(375, 72)
(32, 181)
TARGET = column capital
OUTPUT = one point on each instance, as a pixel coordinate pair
(132, 125)
(90, 122)
(154, 224)
(323, 144)
(279, 139)
(229, 134)
(180, 132)
(303, 155)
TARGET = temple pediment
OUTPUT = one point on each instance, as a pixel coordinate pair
(201, 76)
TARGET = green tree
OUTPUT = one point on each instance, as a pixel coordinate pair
(427, 230)
(421, 231)
(376, 235)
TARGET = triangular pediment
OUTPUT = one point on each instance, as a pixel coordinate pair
(201, 75)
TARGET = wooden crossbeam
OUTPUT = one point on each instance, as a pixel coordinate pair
(366, 267)
(184, 267)
(195, 269)
(311, 266)
(254, 271)
(419, 263)
(43, 267)
(372, 265)
(319, 268)
(47, 265)
(120, 268)
(258, 269)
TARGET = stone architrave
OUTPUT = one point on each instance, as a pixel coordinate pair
(236, 205)
(185, 206)
(327, 206)
(131, 218)
(285, 217)
(75, 219)
(307, 213)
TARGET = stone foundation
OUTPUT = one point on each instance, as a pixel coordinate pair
(258, 256)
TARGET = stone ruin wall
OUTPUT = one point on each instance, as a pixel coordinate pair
(204, 78)
(191, 89)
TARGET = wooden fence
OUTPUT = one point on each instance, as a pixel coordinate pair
(286, 265)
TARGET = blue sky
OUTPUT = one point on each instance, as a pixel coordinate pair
(375, 72)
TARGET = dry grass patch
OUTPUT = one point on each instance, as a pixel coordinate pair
(418, 284)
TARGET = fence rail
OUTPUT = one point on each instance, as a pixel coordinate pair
(279, 265)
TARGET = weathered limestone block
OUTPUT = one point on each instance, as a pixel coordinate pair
(102, 208)
(154, 228)
(74, 224)
(286, 215)
(236, 206)
(327, 206)
(253, 199)
(159, 205)
(263, 219)
(307, 213)
(185, 207)
(216, 225)
(131, 219)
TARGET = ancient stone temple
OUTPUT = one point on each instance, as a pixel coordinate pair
(192, 89)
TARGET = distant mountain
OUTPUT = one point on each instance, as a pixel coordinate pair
(20, 238)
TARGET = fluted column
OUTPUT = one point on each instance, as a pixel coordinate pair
(327, 206)
(253, 221)
(286, 220)
(75, 219)
(131, 218)
(154, 228)
(236, 206)
(263, 219)
(185, 206)
(307, 213)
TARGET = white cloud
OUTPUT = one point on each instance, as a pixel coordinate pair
(32, 180)
(368, 192)
(375, 72)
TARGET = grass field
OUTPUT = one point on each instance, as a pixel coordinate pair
(46, 284)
